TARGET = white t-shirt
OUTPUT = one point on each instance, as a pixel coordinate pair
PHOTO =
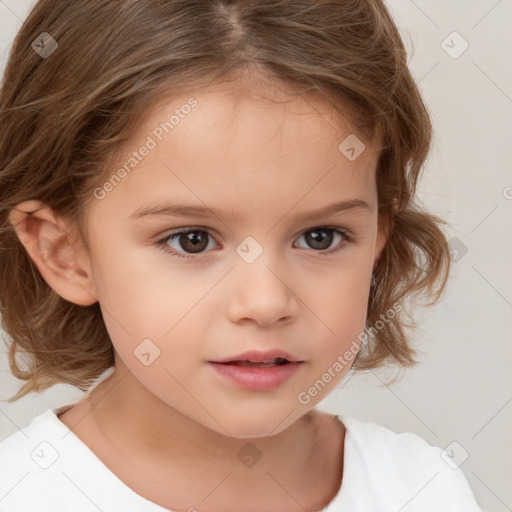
(46, 468)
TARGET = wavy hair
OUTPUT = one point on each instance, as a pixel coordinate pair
(65, 117)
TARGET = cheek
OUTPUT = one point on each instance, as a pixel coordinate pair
(145, 299)
(136, 288)
(145, 295)
(342, 293)
(339, 303)
(335, 333)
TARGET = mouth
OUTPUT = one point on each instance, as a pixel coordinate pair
(278, 361)
(272, 357)
(261, 375)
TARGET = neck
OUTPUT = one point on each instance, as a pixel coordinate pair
(164, 442)
(163, 432)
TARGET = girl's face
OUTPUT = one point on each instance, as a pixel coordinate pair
(265, 271)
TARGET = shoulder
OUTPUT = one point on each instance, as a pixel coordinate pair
(407, 467)
(28, 462)
(381, 440)
(17, 450)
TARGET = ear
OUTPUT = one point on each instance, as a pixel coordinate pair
(55, 250)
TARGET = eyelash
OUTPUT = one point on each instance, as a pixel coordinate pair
(162, 243)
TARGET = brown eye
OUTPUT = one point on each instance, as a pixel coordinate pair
(185, 243)
(321, 239)
(193, 241)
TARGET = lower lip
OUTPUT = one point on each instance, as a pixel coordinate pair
(254, 378)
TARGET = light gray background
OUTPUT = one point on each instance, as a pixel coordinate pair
(462, 390)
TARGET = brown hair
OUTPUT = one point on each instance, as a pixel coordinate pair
(65, 117)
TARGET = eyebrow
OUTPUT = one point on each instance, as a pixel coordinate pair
(181, 210)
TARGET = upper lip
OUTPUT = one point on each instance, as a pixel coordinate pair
(257, 356)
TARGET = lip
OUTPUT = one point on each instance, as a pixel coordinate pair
(256, 378)
(257, 356)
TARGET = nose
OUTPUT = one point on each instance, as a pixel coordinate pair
(261, 292)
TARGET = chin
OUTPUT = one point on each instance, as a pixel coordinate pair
(256, 425)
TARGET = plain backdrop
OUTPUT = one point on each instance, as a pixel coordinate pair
(460, 395)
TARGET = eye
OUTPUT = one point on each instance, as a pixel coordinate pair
(188, 242)
(193, 241)
(321, 238)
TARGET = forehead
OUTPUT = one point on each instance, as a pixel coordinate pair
(235, 148)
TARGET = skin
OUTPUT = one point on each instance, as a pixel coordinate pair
(177, 421)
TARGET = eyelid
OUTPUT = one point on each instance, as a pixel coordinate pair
(161, 243)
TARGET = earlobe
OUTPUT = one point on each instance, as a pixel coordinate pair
(52, 246)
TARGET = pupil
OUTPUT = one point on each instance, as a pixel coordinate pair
(193, 242)
(196, 241)
(319, 237)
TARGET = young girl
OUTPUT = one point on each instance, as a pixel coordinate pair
(215, 200)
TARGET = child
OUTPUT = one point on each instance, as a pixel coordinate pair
(215, 200)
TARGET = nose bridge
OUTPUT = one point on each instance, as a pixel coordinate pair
(260, 290)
